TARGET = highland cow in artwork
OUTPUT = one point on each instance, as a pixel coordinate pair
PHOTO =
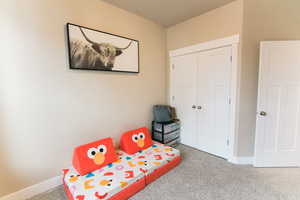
(94, 50)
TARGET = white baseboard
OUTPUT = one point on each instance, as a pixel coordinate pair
(36, 189)
(241, 160)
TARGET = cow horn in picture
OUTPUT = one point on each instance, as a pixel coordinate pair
(125, 47)
(87, 39)
(90, 41)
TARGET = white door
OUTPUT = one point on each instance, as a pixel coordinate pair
(183, 90)
(277, 142)
(214, 75)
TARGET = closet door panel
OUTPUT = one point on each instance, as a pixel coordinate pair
(183, 93)
(213, 93)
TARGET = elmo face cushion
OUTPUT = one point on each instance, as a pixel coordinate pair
(136, 140)
(92, 156)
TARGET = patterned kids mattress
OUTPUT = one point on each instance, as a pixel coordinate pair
(154, 157)
(113, 178)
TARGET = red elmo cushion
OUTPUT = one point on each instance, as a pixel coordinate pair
(136, 140)
(92, 156)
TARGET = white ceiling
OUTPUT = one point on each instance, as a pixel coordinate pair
(168, 12)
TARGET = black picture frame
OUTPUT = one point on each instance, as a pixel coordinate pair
(84, 67)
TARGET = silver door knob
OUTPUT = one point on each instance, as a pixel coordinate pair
(194, 107)
(263, 113)
(199, 107)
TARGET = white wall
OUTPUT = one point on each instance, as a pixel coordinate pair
(263, 20)
(255, 21)
(47, 109)
(216, 24)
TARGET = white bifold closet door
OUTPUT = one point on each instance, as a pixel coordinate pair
(200, 88)
(214, 69)
(184, 94)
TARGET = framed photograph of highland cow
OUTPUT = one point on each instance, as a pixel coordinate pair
(91, 49)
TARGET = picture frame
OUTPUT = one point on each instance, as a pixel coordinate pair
(91, 49)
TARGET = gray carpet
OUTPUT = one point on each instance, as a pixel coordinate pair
(204, 177)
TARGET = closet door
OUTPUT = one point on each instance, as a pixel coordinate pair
(183, 94)
(213, 103)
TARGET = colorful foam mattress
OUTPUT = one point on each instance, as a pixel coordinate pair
(127, 174)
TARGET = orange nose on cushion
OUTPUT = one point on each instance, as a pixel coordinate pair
(92, 156)
(136, 140)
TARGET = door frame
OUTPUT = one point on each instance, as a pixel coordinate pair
(232, 41)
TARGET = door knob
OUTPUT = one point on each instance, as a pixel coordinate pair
(199, 107)
(263, 113)
(194, 107)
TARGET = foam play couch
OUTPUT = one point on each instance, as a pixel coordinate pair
(101, 172)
